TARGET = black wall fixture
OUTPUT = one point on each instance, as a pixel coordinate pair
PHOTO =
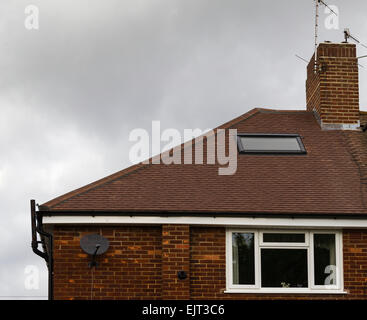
(182, 275)
(94, 244)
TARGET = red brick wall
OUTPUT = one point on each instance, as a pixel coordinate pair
(333, 91)
(208, 263)
(175, 257)
(142, 263)
(355, 262)
(130, 269)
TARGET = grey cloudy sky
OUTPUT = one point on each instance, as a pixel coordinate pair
(71, 91)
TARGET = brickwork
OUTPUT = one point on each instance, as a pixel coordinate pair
(355, 262)
(130, 269)
(142, 263)
(175, 258)
(333, 90)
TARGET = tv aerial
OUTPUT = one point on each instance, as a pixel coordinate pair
(317, 7)
(348, 35)
(94, 245)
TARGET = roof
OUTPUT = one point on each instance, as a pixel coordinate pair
(363, 118)
(329, 179)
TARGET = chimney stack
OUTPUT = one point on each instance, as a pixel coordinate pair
(332, 89)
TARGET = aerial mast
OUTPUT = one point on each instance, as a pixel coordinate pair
(316, 30)
(317, 9)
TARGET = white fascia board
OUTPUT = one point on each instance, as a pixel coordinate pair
(213, 221)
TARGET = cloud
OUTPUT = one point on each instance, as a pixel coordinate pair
(71, 92)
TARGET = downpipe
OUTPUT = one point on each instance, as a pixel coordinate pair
(47, 248)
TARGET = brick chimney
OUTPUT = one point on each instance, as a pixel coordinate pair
(332, 91)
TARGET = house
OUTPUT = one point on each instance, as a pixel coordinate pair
(291, 223)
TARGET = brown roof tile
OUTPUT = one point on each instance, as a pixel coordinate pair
(329, 179)
(363, 117)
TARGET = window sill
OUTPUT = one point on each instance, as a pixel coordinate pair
(289, 291)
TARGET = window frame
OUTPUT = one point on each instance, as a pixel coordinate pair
(256, 252)
(242, 150)
(308, 245)
(283, 244)
(338, 260)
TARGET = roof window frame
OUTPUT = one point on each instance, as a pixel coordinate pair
(241, 149)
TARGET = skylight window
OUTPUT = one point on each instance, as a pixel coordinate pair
(270, 143)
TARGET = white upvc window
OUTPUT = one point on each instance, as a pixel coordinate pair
(284, 261)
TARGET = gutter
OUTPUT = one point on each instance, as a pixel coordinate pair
(47, 247)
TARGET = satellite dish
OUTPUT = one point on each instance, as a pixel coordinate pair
(94, 244)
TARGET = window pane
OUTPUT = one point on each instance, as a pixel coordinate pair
(243, 258)
(270, 143)
(324, 259)
(285, 268)
(284, 237)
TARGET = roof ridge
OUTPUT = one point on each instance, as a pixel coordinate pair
(265, 110)
(117, 175)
